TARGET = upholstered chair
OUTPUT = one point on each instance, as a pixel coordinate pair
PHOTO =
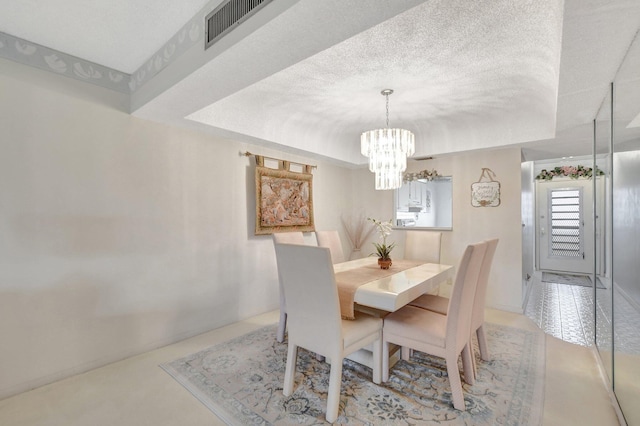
(440, 304)
(285, 238)
(445, 336)
(331, 240)
(314, 318)
(423, 245)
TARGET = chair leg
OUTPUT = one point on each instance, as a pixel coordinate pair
(467, 364)
(482, 343)
(473, 359)
(385, 361)
(282, 325)
(290, 369)
(456, 384)
(377, 361)
(333, 395)
(405, 353)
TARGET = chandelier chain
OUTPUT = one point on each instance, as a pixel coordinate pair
(387, 96)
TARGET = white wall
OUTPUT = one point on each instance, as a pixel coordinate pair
(472, 224)
(119, 235)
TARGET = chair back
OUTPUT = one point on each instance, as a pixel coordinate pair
(331, 240)
(288, 238)
(483, 282)
(423, 245)
(461, 301)
(310, 288)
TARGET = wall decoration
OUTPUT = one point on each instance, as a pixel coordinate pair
(485, 192)
(574, 172)
(284, 199)
(358, 233)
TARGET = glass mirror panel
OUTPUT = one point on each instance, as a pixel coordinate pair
(603, 306)
(424, 203)
(626, 232)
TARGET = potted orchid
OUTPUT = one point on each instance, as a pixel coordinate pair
(383, 250)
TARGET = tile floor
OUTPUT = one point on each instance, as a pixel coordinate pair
(136, 391)
(561, 310)
(566, 312)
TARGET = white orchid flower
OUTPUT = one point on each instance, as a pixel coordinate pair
(385, 229)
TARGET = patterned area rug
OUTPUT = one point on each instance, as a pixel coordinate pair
(583, 280)
(241, 382)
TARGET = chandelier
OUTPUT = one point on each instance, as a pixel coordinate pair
(387, 150)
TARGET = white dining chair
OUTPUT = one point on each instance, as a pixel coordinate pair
(284, 238)
(331, 240)
(315, 322)
(424, 246)
(440, 304)
(445, 336)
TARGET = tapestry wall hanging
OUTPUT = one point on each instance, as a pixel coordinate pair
(486, 191)
(284, 200)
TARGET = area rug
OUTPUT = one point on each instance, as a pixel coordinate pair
(241, 382)
(570, 279)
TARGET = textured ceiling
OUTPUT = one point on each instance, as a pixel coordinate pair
(452, 68)
(466, 75)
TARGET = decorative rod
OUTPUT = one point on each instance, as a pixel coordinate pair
(249, 154)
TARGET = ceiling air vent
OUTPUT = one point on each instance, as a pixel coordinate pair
(227, 16)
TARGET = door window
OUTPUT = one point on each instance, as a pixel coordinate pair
(566, 223)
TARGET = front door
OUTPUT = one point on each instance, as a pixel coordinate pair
(565, 226)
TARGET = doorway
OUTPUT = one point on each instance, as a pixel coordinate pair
(561, 299)
(564, 226)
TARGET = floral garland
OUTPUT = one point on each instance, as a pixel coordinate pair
(424, 174)
(574, 172)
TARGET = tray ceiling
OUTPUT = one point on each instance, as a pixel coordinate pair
(306, 76)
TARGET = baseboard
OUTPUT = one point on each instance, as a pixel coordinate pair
(508, 308)
(607, 385)
(622, 292)
(528, 293)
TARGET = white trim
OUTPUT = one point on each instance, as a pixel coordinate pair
(607, 384)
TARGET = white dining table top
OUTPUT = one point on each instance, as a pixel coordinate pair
(393, 292)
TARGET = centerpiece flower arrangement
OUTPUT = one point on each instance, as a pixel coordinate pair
(383, 250)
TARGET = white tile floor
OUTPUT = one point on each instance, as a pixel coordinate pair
(567, 311)
(137, 392)
(561, 310)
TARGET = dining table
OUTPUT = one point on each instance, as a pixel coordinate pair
(363, 284)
